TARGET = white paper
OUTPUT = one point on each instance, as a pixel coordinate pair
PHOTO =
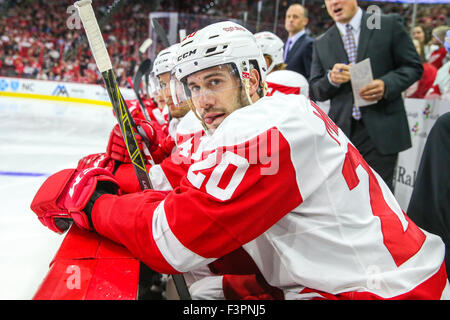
(361, 75)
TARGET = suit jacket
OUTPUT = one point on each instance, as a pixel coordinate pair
(393, 59)
(299, 57)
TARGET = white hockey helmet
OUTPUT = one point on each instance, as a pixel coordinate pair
(217, 44)
(287, 82)
(164, 61)
(271, 45)
(153, 86)
(225, 45)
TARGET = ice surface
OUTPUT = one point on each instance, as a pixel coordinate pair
(38, 138)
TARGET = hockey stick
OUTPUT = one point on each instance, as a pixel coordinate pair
(104, 65)
(161, 33)
(145, 45)
(142, 49)
(146, 73)
(144, 67)
(123, 116)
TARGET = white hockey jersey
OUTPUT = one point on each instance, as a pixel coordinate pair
(161, 115)
(281, 181)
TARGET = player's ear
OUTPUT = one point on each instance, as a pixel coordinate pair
(254, 81)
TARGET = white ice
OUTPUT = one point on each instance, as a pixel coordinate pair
(38, 137)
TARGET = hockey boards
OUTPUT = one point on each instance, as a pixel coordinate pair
(88, 266)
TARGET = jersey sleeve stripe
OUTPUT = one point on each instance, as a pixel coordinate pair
(178, 256)
(159, 179)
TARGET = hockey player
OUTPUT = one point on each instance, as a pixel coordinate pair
(182, 127)
(272, 48)
(161, 113)
(287, 82)
(276, 180)
(162, 68)
(164, 144)
(279, 80)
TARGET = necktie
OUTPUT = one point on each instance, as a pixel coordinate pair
(350, 47)
(286, 49)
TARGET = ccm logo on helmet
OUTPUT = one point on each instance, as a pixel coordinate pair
(186, 54)
(161, 61)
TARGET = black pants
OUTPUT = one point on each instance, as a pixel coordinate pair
(383, 164)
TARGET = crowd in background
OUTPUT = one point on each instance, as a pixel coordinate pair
(35, 41)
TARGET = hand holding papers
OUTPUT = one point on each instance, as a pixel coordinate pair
(361, 76)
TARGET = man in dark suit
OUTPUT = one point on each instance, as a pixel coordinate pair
(380, 130)
(298, 47)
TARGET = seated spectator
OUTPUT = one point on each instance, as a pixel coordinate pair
(441, 85)
(36, 43)
(420, 88)
(35, 29)
(437, 57)
(422, 34)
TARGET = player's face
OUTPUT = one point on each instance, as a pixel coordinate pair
(215, 93)
(295, 20)
(164, 82)
(341, 11)
(160, 99)
(268, 60)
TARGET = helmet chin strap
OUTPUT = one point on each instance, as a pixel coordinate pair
(265, 88)
(194, 110)
(245, 79)
(246, 84)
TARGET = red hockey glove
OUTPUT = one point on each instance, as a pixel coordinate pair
(123, 172)
(96, 160)
(70, 194)
(117, 149)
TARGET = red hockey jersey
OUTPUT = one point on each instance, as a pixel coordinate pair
(281, 181)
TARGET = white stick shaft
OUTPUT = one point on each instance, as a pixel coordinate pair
(94, 35)
(145, 45)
